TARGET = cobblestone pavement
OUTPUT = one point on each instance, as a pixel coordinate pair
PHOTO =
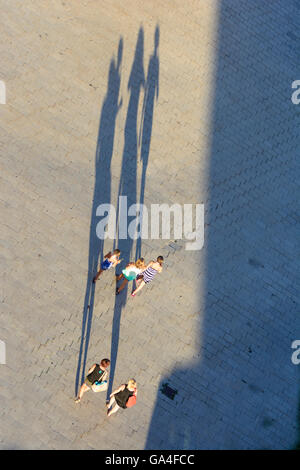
(189, 103)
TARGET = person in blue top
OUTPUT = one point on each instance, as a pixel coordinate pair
(110, 261)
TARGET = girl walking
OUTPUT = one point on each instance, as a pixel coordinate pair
(149, 273)
(121, 398)
(130, 273)
(110, 261)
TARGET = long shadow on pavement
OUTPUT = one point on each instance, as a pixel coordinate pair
(151, 92)
(102, 195)
(127, 188)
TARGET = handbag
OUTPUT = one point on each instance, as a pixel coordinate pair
(131, 400)
(100, 386)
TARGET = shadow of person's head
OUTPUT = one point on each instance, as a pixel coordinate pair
(120, 53)
(156, 38)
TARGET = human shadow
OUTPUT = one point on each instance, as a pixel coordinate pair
(239, 390)
(127, 189)
(296, 445)
(151, 92)
(102, 195)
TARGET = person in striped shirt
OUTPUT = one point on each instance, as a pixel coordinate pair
(150, 272)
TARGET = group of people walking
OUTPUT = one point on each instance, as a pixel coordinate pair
(97, 380)
(139, 271)
(97, 377)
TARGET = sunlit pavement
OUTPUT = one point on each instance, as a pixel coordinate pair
(220, 129)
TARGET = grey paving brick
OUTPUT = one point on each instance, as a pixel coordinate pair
(224, 132)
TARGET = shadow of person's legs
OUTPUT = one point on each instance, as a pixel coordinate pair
(151, 92)
(127, 188)
(102, 195)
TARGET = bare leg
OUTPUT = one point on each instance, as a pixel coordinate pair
(97, 275)
(142, 284)
(84, 388)
(124, 283)
(111, 401)
(113, 410)
(110, 404)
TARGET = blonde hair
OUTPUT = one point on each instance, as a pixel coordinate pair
(132, 383)
(140, 263)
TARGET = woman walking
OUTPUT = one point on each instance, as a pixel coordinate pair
(97, 379)
(149, 273)
(121, 398)
(130, 273)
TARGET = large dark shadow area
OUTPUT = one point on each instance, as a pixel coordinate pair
(242, 391)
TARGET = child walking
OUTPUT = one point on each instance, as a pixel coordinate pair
(110, 261)
(149, 273)
(130, 273)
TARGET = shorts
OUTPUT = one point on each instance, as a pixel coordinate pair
(88, 383)
(106, 265)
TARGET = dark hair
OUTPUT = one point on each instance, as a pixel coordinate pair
(105, 363)
(117, 252)
(160, 259)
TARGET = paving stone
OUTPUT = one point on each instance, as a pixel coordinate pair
(76, 132)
